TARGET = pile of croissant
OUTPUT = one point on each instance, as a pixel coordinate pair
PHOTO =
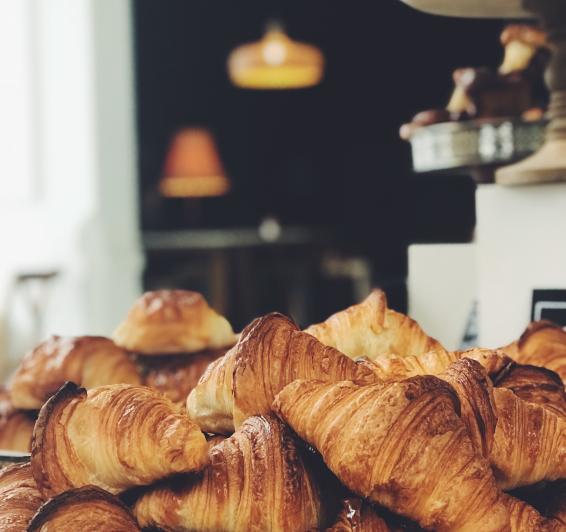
(360, 423)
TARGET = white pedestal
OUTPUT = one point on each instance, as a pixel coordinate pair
(442, 289)
(521, 245)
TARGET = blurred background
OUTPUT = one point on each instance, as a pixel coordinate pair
(314, 200)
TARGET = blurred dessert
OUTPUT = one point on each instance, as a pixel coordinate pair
(513, 90)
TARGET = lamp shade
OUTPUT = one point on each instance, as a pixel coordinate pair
(192, 167)
(275, 62)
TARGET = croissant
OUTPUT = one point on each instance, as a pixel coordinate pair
(370, 328)
(176, 375)
(529, 444)
(535, 385)
(87, 508)
(19, 497)
(358, 516)
(401, 445)
(113, 437)
(271, 353)
(525, 518)
(393, 367)
(542, 344)
(85, 360)
(257, 480)
(475, 392)
(16, 426)
(173, 321)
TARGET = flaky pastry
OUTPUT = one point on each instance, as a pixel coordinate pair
(87, 361)
(256, 480)
(113, 437)
(271, 353)
(173, 321)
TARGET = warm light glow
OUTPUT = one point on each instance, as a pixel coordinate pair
(276, 62)
(193, 168)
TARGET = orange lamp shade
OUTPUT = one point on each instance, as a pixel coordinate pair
(193, 168)
(276, 62)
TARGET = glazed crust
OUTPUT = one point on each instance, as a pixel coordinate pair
(173, 321)
(392, 367)
(87, 361)
(370, 328)
(535, 385)
(16, 426)
(176, 375)
(19, 497)
(475, 392)
(87, 509)
(271, 353)
(257, 480)
(401, 445)
(114, 437)
(357, 515)
(530, 442)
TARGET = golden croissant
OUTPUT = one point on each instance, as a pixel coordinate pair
(535, 385)
(542, 344)
(176, 375)
(113, 437)
(393, 367)
(84, 509)
(475, 392)
(529, 444)
(401, 445)
(257, 480)
(16, 426)
(356, 515)
(370, 328)
(173, 321)
(19, 497)
(88, 361)
(271, 353)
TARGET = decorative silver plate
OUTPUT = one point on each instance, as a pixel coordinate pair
(473, 144)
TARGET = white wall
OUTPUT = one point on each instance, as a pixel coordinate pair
(81, 217)
(521, 245)
(442, 288)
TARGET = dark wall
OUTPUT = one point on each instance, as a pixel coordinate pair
(329, 155)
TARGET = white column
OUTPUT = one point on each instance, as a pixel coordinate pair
(82, 217)
(521, 245)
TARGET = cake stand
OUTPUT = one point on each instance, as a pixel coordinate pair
(548, 164)
(475, 147)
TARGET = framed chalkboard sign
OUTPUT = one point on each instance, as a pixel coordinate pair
(549, 304)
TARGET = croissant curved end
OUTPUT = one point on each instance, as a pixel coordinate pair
(44, 463)
(87, 506)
